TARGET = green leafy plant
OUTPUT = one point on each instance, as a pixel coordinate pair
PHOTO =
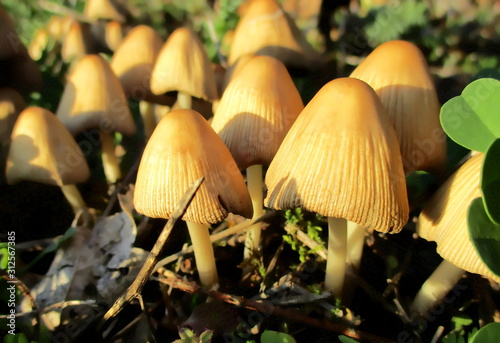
(295, 218)
(270, 336)
(189, 336)
(471, 120)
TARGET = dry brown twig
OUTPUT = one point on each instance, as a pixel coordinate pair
(268, 308)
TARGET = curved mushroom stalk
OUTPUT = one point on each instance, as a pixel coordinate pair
(203, 254)
(435, 288)
(254, 184)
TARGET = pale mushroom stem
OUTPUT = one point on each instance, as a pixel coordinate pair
(203, 254)
(147, 110)
(74, 198)
(355, 244)
(435, 288)
(254, 184)
(184, 100)
(109, 160)
(336, 257)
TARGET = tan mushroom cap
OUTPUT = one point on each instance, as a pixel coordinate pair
(444, 218)
(398, 72)
(102, 9)
(114, 35)
(93, 98)
(182, 149)
(341, 159)
(183, 65)
(256, 111)
(77, 42)
(134, 59)
(42, 150)
(265, 29)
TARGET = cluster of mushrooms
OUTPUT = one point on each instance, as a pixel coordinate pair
(343, 155)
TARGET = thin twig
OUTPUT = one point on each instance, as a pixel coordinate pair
(235, 229)
(268, 308)
(135, 288)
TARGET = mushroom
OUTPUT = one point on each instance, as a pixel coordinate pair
(133, 63)
(256, 110)
(183, 66)
(42, 150)
(77, 42)
(355, 173)
(93, 98)
(444, 220)
(182, 149)
(265, 29)
(103, 9)
(113, 35)
(398, 72)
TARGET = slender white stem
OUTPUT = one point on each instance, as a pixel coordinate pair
(435, 288)
(254, 184)
(355, 244)
(109, 160)
(184, 100)
(203, 253)
(74, 198)
(147, 110)
(337, 249)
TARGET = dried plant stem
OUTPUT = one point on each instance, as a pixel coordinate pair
(134, 291)
(268, 308)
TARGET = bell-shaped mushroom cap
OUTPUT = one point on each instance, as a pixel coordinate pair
(182, 149)
(398, 72)
(42, 150)
(256, 111)
(93, 98)
(11, 104)
(444, 218)
(114, 35)
(134, 59)
(38, 43)
(183, 65)
(77, 42)
(265, 29)
(341, 159)
(102, 9)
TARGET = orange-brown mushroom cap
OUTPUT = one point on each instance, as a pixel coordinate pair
(182, 149)
(341, 159)
(42, 150)
(444, 218)
(265, 29)
(398, 72)
(256, 111)
(93, 98)
(134, 59)
(183, 65)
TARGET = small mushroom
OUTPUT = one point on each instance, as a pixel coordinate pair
(182, 149)
(257, 109)
(265, 29)
(93, 98)
(444, 220)
(42, 150)
(183, 66)
(341, 159)
(398, 72)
